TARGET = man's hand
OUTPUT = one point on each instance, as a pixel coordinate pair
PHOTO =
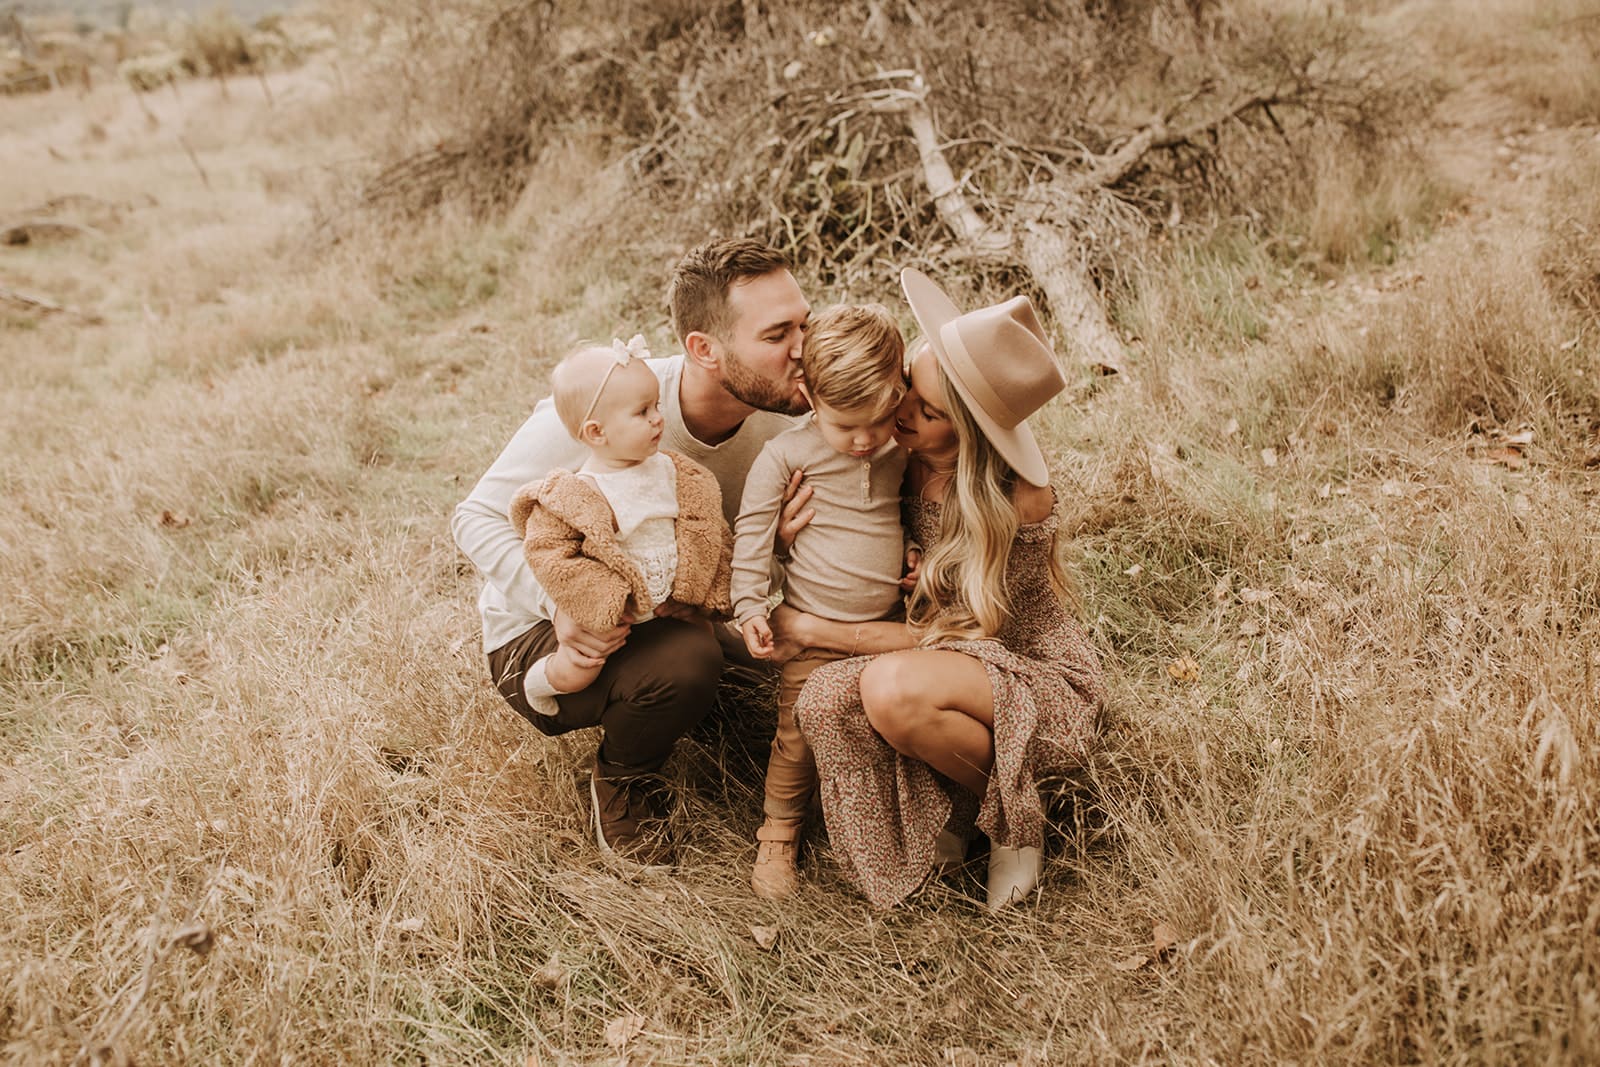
(590, 643)
(794, 516)
(757, 637)
(568, 670)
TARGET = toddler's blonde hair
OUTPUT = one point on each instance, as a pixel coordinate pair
(853, 359)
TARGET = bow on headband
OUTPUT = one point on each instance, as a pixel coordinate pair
(623, 353)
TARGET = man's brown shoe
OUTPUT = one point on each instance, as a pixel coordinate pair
(630, 819)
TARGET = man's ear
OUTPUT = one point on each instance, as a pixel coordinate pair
(701, 348)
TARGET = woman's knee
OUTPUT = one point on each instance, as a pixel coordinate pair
(889, 699)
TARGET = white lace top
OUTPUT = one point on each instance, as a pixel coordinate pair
(644, 499)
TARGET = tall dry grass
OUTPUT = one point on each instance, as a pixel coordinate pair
(260, 805)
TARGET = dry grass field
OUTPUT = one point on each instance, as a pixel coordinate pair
(1337, 534)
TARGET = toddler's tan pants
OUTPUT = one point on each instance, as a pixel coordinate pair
(792, 769)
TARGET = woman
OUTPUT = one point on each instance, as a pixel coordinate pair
(991, 683)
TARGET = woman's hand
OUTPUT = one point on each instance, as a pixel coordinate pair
(787, 627)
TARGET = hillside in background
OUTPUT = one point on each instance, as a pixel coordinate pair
(114, 12)
(1326, 281)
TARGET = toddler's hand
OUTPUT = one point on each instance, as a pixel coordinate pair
(913, 568)
(758, 637)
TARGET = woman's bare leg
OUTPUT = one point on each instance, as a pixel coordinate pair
(935, 706)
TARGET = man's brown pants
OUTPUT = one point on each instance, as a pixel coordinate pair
(651, 691)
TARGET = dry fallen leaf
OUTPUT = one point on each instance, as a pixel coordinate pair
(1223, 589)
(1184, 669)
(1249, 628)
(1400, 281)
(1135, 570)
(196, 937)
(623, 1029)
(1521, 439)
(1509, 458)
(1230, 428)
(1269, 457)
(550, 976)
(1165, 937)
(173, 521)
(411, 925)
(1326, 491)
(766, 936)
(1255, 596)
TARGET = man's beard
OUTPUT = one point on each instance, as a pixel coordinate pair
(748, 387)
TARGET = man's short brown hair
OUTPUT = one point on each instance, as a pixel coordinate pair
(698, 291)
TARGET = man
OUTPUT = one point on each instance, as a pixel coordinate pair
(741, 317)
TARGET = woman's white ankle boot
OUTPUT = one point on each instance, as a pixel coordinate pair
(1013, 874)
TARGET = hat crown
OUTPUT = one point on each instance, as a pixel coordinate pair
(1002, 357)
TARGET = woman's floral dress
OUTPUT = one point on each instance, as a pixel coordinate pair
(884, 810)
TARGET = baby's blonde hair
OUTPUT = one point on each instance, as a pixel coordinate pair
(853, 358)
(576, 380)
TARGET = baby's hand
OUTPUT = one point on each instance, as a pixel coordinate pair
(758, 636)
(908, 582)
(673, 609)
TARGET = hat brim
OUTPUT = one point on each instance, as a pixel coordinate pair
(934, 310)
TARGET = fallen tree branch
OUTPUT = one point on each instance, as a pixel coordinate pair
(28, 230)
(44, 304)
(1111, 169)
(1052, 253)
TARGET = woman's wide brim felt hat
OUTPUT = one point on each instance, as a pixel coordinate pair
(1000, 363)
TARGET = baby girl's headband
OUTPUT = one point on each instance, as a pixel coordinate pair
(622, 354)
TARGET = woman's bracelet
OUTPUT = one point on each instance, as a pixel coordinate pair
(855, 642)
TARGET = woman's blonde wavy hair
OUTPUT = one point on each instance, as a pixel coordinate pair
(961, 591)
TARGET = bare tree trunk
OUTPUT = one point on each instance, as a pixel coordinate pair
(1056, 259)
(1052, 254)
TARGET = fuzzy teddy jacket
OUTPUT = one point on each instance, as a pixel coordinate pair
(570, 540)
